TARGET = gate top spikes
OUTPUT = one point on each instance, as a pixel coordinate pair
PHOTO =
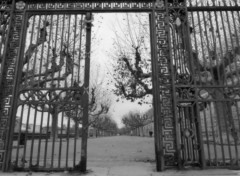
(98, 1)
(89, 1)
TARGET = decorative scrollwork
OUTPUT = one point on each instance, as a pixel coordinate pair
(185, 93)
(5, 4)
(165, 89)
(49, 96)
(176, 3)
(91, 5)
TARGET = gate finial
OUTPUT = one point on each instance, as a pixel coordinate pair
(159, 3)
(20, 5)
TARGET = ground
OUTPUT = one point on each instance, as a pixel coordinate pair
(103, 151)
(125, 156)
(120, 150)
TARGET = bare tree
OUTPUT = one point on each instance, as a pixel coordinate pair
(132, 71)
(134, 120)
(98, 106)
(105, 123)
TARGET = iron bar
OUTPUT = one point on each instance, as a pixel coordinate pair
(53, 136)
(44, 33)
(67, 148)
(200, 146)
(85, 121)
(48, 116)
(61, 143)
(35, 110)
(46, 141)
(194, 133)
(54, 110)
(40, 139)
(68, 121)
(32, 153)
(214, 136)
(78, 80)
(156, 100)
(238, 119)
(207, 136)
(221, 139)
(228, 133)
(19, 136)
(26, 136)
(75, 140)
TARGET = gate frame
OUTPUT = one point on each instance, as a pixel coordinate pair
(162, 79)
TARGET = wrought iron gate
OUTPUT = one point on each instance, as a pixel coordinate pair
(204, 53)
(195, 64)
(51, 89)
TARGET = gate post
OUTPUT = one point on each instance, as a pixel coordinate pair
(83, 162)
(8, 80)
(164, 116)
(6, 77)
(156, 98)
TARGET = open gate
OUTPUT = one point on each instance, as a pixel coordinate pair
(52, 91)
(205, 52)
(45, 52)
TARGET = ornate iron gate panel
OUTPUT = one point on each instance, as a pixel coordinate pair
(204, 42)
(46, 59)
(50, 92)
(163, 108)
(188, 142)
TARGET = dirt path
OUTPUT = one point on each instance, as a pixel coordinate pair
(120, 151)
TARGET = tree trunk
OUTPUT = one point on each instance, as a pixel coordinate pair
(54, 129)
(77, 129)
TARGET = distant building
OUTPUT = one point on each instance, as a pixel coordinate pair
(19, 125)
(34, 128)
(46, 129)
